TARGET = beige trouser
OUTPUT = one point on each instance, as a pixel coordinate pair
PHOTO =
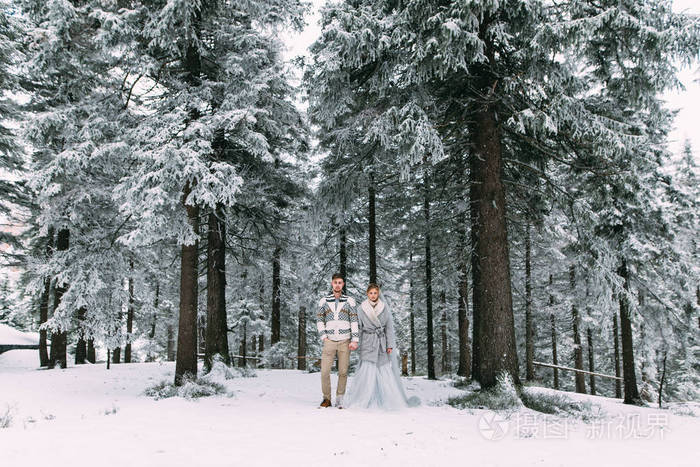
(330, 348)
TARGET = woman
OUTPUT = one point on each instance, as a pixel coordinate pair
(377, 383)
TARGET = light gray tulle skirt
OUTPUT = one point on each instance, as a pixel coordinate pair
(378, 387)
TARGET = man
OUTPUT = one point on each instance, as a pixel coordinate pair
(336, 321)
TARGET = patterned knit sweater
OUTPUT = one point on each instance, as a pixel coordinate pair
(336, 319)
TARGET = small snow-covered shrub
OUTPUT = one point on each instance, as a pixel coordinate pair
(191, 388)
(560, 404)
(194, 389)
(502, 397)
(220, 372)
(682, 409)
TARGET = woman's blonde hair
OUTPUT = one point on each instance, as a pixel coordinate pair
(372, 286)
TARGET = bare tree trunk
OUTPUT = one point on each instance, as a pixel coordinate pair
(663, 376)
(529, 325)
(697, 299)
(91, 350)
(301, 338)
(494, 305)
(276, 304)
(445, 360)
(216, 340)
(413, 320)
(261, 337)
(152, 332)
(59, 339)
(578, 350)
(201, 327)
(243, 347)
(464, 368)
(580, 378)
(428, 273)
(170, 349)
(129, 315)
(628, 372)
(372, 231)
(474, 201)
(616, 340)
(343, 255)
(591, 363)
(186, 360)
(553, 321)
(44, 305)
(81, 346)
(117, 355)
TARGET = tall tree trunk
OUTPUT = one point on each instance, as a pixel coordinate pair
(628, 372)
(372, 231)
(91, 350)
(616, 355)
(117, 355)
(529, 325)
(170, 345)
(464, 368)
(428, 273)
(578, 348)
(186, 360)
(152, 332)
(243, 347)
(445, 357)
(59, 339)
(216, 334)
(663, 376)
(553, 321)
(591, 363)
(492, 288)
(697, 300)
(261, 337)
(44, 305)
(343, 255)
(81, 346)
(301, 338)
(474, 200)
(276, 303)
(201, 326)
(129, 315)
(413, 319)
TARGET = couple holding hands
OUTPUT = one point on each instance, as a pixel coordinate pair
(344, 327)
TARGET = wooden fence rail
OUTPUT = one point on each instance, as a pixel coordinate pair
(576, 370)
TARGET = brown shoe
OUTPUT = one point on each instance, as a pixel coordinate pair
(326, 403)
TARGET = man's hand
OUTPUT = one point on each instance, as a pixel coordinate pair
(388, 350)
(353, 346)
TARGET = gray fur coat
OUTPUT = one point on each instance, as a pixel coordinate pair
(376, 329)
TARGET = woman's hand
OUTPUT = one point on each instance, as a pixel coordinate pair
(388, 350)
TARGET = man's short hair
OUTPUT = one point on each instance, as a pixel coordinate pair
(338, 275)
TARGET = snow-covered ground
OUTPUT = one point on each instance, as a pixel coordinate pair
(11, 336)
(91, 416)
